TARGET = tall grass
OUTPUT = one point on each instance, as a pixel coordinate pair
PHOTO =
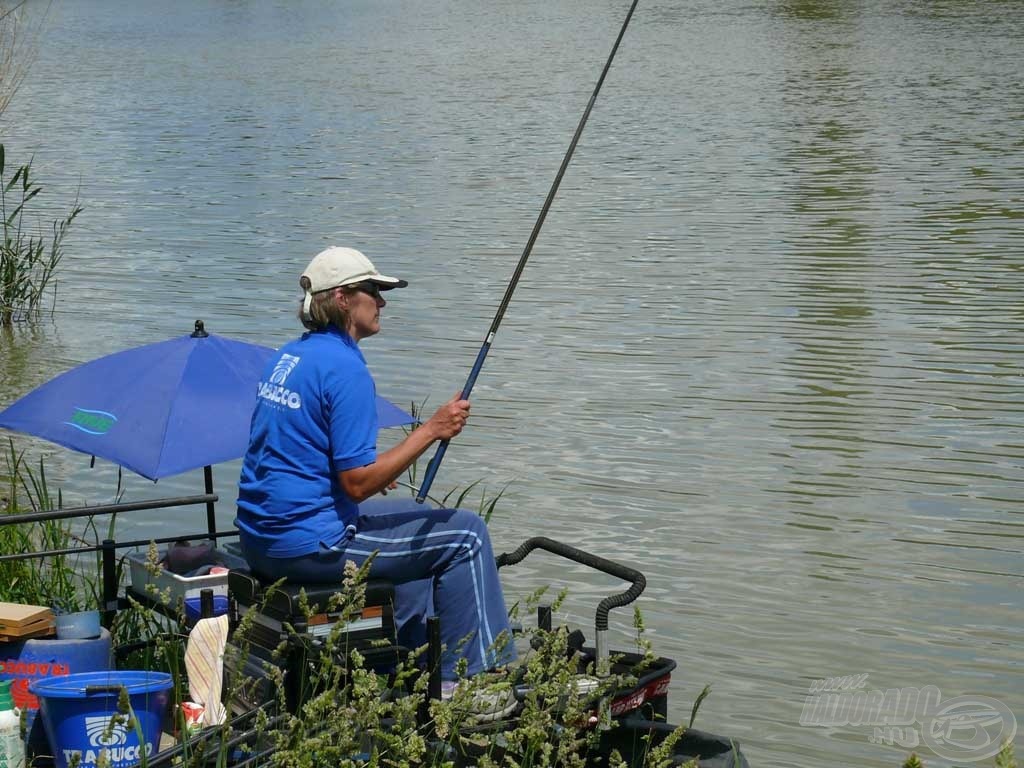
(20, 27)
(60, 581)
(1004, 759)
(28, 257)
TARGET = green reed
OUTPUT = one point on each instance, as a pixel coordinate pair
(28, 258)
(65, 582)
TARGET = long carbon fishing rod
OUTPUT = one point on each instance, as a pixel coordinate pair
(435, 462)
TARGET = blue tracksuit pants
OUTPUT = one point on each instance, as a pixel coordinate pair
(439, 554)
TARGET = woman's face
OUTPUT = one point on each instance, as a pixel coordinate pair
(363, 306)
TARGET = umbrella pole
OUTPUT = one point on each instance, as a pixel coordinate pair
(211, 518)
(435, 462)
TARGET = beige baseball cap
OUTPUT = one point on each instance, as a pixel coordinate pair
(337, 267)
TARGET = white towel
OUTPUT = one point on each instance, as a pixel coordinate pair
(204, 662)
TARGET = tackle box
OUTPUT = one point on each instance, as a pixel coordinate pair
(275, 626)
(278, 607)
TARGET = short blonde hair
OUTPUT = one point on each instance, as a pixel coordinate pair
(324, 308)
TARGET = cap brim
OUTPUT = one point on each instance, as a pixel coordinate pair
(387, 283)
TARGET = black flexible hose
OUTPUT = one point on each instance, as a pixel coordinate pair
(624, 572)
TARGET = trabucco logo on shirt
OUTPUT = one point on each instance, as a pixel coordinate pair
(274, 390)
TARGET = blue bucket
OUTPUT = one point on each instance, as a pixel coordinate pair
(193, 607)
(78, 712)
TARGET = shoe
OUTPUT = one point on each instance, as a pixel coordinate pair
(479, 702)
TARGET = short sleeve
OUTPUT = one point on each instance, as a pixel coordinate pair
(351, 413)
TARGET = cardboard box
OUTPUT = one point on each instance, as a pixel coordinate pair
(19, 621)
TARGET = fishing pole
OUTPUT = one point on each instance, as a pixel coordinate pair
(435, 462)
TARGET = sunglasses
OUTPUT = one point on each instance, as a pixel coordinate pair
(371, 289)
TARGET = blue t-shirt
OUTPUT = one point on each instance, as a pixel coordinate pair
(315, 415)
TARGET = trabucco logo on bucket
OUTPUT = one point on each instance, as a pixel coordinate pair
(102, 733)
(109, 740)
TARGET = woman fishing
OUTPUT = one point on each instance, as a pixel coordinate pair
(312, 460)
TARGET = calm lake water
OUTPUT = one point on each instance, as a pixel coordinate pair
(768, 348)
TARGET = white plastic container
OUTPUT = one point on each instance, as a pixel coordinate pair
(182, 587)
(12, 746)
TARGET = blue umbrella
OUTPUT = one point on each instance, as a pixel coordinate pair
(160, 409)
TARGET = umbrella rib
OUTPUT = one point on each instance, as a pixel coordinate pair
(170, 409)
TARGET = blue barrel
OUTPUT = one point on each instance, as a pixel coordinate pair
(26, 661)
(84, 724)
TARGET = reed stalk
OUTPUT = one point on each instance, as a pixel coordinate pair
(28, 258)
(55, 581)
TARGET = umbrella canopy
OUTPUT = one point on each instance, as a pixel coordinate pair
(159, 409)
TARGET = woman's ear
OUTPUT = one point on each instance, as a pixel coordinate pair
(341, 297)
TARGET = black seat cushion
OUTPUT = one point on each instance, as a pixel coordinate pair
(283, 601)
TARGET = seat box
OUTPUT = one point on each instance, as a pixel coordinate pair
(183, 587)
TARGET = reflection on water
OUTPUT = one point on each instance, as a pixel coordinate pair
(768, 347)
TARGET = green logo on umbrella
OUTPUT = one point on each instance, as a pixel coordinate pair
(92, 422)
